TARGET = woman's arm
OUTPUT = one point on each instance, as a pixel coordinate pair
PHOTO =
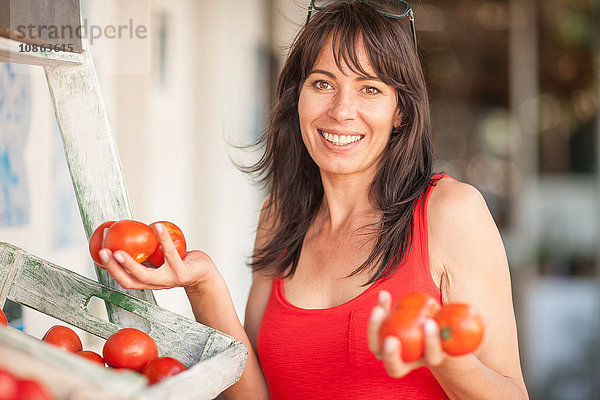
(468, 257)
(467, 247)
(212, 306)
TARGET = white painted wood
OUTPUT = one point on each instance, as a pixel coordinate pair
(92, 157)
(215, 360)
(10, 52)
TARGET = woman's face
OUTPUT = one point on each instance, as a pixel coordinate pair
(346, 119)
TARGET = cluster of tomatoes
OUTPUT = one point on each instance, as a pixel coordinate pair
(126, 349)
(461, 326)
(137, 239)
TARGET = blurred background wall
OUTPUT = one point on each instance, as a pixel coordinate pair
(514, 89)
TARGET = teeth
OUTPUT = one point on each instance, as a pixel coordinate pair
(340, 140)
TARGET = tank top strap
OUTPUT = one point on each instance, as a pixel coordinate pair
(420, 216)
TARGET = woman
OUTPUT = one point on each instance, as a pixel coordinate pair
(354, 219)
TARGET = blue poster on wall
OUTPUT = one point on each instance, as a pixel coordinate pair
(15, 113)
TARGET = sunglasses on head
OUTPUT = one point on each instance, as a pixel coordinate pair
(390, 8)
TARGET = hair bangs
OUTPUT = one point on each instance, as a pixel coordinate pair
(357, 24)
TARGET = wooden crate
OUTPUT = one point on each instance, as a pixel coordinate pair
(215, 360)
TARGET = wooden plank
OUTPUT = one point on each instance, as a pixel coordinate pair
(11, 52)
(92, 158)
(214, 371)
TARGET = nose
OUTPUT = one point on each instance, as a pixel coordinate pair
(342, 106)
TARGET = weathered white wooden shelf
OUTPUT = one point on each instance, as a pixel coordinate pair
(10, 51)
(215, 360)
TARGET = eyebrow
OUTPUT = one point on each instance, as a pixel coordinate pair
(332, 76)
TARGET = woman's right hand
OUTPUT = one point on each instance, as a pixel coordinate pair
(192, 272)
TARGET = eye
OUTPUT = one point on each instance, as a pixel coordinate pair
(321, 84)
(371, 90)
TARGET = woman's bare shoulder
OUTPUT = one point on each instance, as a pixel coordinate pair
(452, 201)
(459, 226)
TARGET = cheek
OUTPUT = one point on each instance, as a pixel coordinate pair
(304, 108)
(311, 106)
(304, 118)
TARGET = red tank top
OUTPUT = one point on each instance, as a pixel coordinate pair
(310, 354)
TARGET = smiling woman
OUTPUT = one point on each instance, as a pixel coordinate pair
(354, 216)
(353, 72)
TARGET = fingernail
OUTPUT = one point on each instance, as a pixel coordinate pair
(103, 255)
(377, 314)
(382, 296)
(119, 257)
(390, 344)
(430, 327)
(160, 228)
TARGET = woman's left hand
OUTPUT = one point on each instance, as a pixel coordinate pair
(389, 352)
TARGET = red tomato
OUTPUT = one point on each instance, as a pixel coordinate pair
(28, 389)
(461, 328)
(129, 348)
(96, 241)
(63, 338)
(162, 368)
(3, 320)
(420, 302)
(158, 258)
(92, 356)
(8, 386)
(408, 326)
(135, 238)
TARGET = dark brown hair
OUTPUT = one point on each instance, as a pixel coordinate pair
(405, 168)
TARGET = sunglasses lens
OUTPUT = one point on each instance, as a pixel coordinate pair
(320, 4)
(391, 7)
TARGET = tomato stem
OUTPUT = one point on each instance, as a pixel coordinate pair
(446, 333)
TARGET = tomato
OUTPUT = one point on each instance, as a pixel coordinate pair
(162, 368)
(408, 326)
(96, 241)
(28, 389)
(92, 356)
(135, 238)
(63, 338)
(420, 302)
(158, 258)
(3, 320)
(8, 386)
(406, 322)
(461, 328)
(129, 348)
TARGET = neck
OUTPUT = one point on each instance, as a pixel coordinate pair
(346, 203)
